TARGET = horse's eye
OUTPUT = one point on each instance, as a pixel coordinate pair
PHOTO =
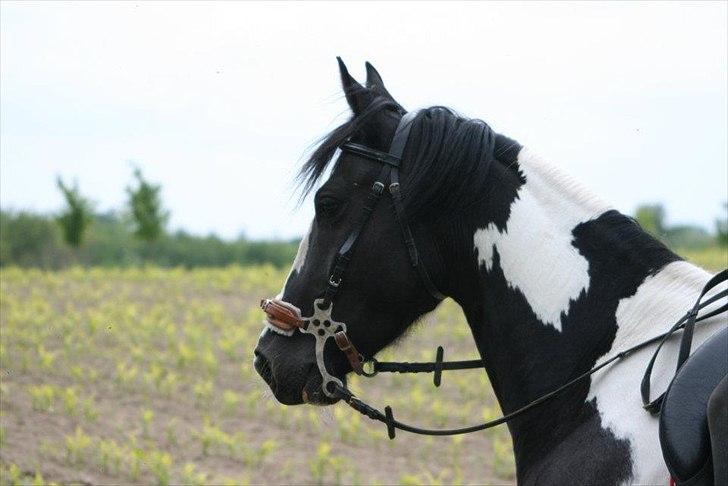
(327, 207)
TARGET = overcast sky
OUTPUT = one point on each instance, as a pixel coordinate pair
(219, 102)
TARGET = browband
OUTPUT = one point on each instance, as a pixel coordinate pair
(376, 155)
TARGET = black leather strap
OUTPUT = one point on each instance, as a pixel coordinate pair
(426, 367)
(687, 339)
(343, 256)
(376, 155)
(409, 240)
(399, 143)
(401, 135)
(688, 322)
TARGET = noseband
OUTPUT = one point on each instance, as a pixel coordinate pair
(321, 326)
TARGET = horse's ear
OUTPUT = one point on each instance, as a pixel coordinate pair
(357, 95)
(375, 83)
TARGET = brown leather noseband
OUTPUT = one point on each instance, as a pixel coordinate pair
(282, 315)
(287, 317)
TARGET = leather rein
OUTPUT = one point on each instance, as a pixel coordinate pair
(287, 317)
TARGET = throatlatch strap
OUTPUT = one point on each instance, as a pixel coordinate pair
(409, 240)
(688, 321)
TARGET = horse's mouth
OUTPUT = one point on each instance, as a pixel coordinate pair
(292, 391)
(313, 393)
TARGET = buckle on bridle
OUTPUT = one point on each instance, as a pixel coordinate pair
(356, 360)
(369, 368)
(332, 283)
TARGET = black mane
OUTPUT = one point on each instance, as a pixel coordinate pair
(445, 164)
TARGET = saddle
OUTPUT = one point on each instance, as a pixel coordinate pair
(685, 435)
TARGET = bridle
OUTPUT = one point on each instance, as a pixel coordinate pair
(287, 317)
(320, 324)
(390, 172)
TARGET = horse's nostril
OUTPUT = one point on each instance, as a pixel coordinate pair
(262, 366)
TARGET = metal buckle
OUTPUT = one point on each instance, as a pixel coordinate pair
(332, 283)
(378, 187)
(369, 368)
(394, 187)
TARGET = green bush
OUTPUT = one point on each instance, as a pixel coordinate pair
(34, 240)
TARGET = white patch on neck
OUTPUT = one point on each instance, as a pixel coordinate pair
(536, 251)
(658, 303)
(298, 264)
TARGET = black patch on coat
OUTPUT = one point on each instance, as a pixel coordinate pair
(564, 440)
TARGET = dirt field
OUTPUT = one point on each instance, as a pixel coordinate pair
(145, 376)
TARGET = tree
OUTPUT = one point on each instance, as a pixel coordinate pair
(721, 227)
(145, 204)
(652, 219)
(31, 240)
(76, 217)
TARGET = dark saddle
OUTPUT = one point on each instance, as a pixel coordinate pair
(685, 434)
(694, 409)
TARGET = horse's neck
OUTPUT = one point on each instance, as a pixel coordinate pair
(551, 280)
(535, 249)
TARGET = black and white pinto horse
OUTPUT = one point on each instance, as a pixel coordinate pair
(552, 280)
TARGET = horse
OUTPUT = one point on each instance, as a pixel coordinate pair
(552, 281)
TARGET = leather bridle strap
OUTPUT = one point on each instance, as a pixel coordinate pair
(375, 155)
(373, 367)
(409, 240)
(687, 322)
(343, 256)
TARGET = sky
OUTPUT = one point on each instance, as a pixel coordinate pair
(219, 103)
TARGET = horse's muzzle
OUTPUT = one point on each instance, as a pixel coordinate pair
(287, 317)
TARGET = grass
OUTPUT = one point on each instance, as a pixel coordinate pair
(145, 375)
(713, 258)
(131, 375)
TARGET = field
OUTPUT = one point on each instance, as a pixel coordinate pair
(145, 376)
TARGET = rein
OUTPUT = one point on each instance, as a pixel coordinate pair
(688, 321)
(287, 317)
